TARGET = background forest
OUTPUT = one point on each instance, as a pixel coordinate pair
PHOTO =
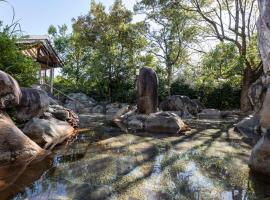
(204, 49)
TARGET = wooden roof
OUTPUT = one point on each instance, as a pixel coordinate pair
(40, 49)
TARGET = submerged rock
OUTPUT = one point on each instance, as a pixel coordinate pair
(90, 120)
(48, 132)
(33, 103)
(13, 143)
(10, 92)
(147, 91)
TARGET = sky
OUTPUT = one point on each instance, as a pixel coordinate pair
(35, 16)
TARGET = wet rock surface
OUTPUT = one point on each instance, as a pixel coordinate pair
(48, 132)
(10, 92)
(117, 165)
(14, 145)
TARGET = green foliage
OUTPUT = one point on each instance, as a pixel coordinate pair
(179, 87)
(103, 52)
(12, 61)
(170, 31)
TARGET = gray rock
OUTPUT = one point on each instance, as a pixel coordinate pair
(10, 92)
(248, 128)
(14, 145)
(260, 157)
(210, 114)
(263, 26)
(135, 124)
(79, 102)
(64, 114)
(182, 104)
(33, 103)
(115, 110)
(256, 95)
(98, 109)
(164, 122)
(48, 132)
(147, 91)
(90, 120)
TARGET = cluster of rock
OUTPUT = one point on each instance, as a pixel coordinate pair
(47, 125)
(183, 105)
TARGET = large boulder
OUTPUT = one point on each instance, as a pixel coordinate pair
(33, 103)
(260, 156)
(10, 92)
(147, 91)
(159, 122)
(164, 122)
(263, 26)
(181, 103)
(48, 132)
(80, 103)
(14, 145)
(248, 127)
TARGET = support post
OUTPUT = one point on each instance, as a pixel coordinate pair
(51, 80)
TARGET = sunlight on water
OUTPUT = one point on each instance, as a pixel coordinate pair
(209, 162)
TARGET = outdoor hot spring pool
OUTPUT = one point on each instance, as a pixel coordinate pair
(209, 162)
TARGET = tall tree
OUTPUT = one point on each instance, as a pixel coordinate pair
(117, 47)
(75, 56)
(170, 33)
(232, 21)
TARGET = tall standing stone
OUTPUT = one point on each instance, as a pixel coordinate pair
(147, 90)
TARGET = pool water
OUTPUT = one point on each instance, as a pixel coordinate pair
(208, 162)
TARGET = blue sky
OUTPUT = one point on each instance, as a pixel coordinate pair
(36, 15)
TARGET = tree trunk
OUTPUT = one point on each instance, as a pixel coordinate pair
(245, 104)
(169, 79)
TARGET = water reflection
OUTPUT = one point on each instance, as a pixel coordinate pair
(210, 162)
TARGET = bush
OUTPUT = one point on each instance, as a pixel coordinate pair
(12, 61)
(223, 97)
